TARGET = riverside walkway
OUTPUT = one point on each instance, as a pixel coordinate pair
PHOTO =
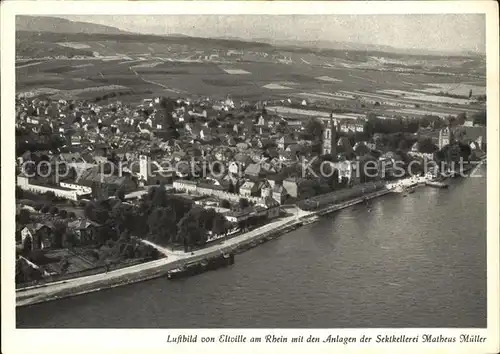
(173, 259)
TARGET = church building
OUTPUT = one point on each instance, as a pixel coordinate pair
(329, 143)
(445, 137)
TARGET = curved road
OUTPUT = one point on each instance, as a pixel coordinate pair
(31, 295)
(173, 259)
(157, 83)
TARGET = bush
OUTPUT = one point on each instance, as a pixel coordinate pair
(68, 240)
(28, 202)
(71, 215)
(63, 214)
(38, 257)
(38, 207)
(24, 216)
(128, 251)
(50, 196)
(45, 209)
(54, 210)
(91, 254)
(64, 265)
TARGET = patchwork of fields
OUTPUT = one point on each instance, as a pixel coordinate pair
(81, 78)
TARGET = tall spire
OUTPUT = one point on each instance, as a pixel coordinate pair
(330, 137)
(334, 138)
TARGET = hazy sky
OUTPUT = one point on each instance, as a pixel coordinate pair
(448, 32)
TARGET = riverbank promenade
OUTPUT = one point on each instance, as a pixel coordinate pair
(144, 271)
(175, 258)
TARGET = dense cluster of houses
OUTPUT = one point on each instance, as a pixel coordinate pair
(39, 235)
(222, 150)
(248, 144)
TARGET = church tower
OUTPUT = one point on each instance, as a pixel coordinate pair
(445, 137)
(143, 168)
(329, 144)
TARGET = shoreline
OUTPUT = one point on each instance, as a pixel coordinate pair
(158, 268)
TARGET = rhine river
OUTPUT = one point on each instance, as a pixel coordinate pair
(415, 261)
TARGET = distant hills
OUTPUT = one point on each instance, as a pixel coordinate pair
(352, 46)
(324, 44)
(60, 25)
(55, 29)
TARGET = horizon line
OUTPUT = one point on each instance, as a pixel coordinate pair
(385, 48)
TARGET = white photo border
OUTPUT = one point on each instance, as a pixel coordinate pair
(154, 340)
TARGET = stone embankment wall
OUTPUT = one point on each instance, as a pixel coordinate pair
(341, 195)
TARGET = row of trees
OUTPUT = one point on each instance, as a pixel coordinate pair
(174, 220)
(168, 106)
(454, 152)
(162, 217)
(397, 129)
(24, 217)
(110, 95)
(107, 254)
(389, 126)
(393, 135)
(48, 209)
(480, 118)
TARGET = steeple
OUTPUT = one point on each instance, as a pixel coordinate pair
(333, 142)
(445, 137)
(329, 145)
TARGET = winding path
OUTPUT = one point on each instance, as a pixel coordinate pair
(157, 83)
(173, 259)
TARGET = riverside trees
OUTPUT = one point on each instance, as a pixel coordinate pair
(175, 220)
(480, 118)
(196, 225)
(161, 217)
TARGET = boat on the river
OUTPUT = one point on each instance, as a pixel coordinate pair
(436, 184)
(310, 220)
(185, 271)
(198, 267)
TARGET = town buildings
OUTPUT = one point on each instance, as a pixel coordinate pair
(202, 148)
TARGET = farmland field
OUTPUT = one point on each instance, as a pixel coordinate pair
(139, 68)
(74, 45)
(223, 82)
(456, 89)
(236, 71)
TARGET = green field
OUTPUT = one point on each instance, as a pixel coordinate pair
(88, 78)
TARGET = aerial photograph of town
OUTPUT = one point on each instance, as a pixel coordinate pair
(250, 171)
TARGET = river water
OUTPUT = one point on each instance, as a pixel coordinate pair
(415, 261)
